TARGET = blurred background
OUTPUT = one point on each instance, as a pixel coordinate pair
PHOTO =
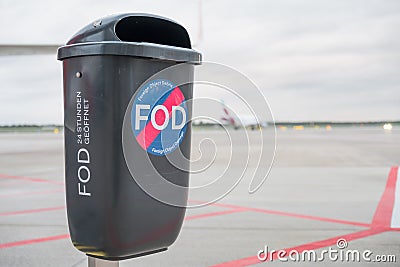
(330, 71)
(313, 60)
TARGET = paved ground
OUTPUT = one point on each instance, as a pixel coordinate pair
(324, 185)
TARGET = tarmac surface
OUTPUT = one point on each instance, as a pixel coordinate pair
(323, 186)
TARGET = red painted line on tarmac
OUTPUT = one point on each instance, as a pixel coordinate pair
(289, 214)
(33, 241)
(383, 213)
(51, 238)
(310, 246)
(45, 192)
(9, 182)
(380, 224)
(31, 211)
(211, 214)
(316, 218)
(30, 179)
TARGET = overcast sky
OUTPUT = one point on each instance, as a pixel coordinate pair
(313, 60)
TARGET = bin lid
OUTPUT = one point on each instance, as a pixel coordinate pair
(133, 34)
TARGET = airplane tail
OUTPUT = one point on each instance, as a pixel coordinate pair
(227, 117)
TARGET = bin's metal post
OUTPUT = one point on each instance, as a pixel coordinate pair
(94, 262)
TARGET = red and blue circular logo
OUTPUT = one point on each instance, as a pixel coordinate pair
(159, 117)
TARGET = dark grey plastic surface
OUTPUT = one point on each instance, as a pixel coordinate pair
(146, 50)
(119, 220)
(139, 35)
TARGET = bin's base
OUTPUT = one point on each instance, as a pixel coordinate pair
(128, 257)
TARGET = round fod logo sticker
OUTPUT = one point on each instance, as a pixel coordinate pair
(159, 116)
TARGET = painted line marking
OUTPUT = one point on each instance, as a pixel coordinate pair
(33, 241)
(383, 213)
(289, 214)
(4, 182)
(30, 179)
(217, 213)
(58, 237)
(309, 246)
(32, 193)
(309, 217)
(31, 211)
(395, 223)
(380, 224)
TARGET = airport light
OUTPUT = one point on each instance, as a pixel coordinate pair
(387, 126)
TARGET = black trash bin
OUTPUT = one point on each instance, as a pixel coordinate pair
(107, 76)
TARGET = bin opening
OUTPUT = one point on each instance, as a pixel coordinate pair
(152, 30)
